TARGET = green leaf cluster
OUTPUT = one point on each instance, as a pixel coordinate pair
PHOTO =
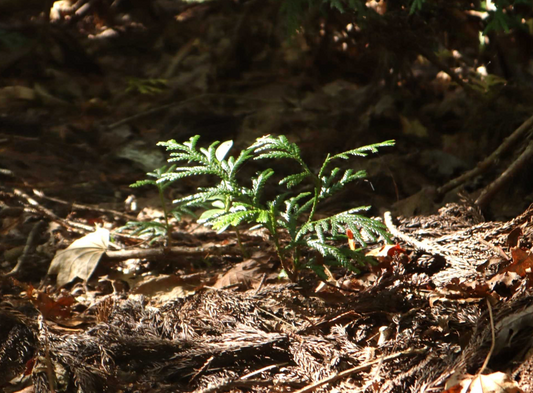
(146, 86)
(234, 202)
(156, 229)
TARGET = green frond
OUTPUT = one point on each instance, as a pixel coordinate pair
(230, 203)
(187, 146)
(305, 207)
(241, 159)
(209, 154)
(189, 156)
(237, 217)
(183, 172)
(292, 206)
(320, 233)
(349, 176)
(263, 217)
(369, 227)
(275, 155)
(192, 142)
(274, 205)
(328, 251)
(279, 147)
(335, 224)
(154, 229)
(258, 184)
(294, 180)
(354, 210)
(211, 215)
(204, 196)
(156, 174)
(140, 183)
(209, 194)
(363, 150)
(292, 212)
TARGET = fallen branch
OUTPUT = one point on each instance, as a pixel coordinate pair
(491, 160)
(160, 252)
(70, 225)
(426, 246)
(362, 367)
(493, 188)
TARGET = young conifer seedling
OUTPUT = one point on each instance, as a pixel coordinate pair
(291, 212)
(155, 228)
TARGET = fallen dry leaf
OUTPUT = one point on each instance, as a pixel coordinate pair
(494, 383)
(386, 252)
(80, 258)
(245, 273)
(522, 262)
(497, 382)
(165, 287)
(50, 309)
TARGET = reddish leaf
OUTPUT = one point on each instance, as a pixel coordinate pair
(351, 240)
(50, 308)
(522, 262)
(386, 252)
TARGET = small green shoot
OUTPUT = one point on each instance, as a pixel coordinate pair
(154, 228)
(292, 212)
(146, 86)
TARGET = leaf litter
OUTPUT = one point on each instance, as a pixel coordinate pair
(414, 312)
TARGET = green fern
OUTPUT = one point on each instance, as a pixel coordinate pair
(157, 229)
(146, 86)
(234, 204)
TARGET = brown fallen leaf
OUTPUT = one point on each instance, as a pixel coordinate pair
(497, 382)
(80, 258)
(386, 252)
(522, 262)
(165, 287)
(50, 309)
(245, 273)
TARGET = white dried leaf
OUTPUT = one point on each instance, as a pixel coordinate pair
(80, 258)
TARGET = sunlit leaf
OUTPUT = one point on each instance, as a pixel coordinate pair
(223, 150)
(80, 258)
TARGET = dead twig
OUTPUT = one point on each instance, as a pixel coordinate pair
(426, 246)
(203, 368)
(70, 225)
(246, 384)
(262, 370)
(494, 248)
(488, 162)
(176, 250)
(31, 243)
(43, 337)
(493, 188)
(79, 206)
(362, 367)
(493, 344)
(261, 283)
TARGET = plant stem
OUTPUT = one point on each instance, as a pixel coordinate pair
(241, 246)
(165, 213)
(318, 185)
(291, 273)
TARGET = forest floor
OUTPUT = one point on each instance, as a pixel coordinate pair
(80, 115)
